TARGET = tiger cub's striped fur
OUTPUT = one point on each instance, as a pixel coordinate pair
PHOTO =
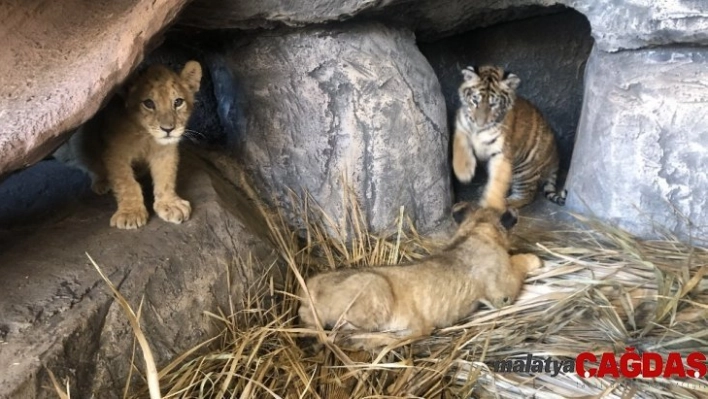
(493, 125)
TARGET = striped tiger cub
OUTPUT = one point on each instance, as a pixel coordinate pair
(493, 125)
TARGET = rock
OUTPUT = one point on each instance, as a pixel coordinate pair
(59, 62)
(617, 24)
(632, 24)
(56, 311)
(432, 18)
(351, 106)
(642, 142)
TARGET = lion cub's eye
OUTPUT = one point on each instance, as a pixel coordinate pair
(149, 104)
(505, 299)
(179, 102)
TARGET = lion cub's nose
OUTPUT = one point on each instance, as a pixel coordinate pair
(167, 130)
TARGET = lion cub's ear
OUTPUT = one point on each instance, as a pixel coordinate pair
(192, 75)
(461, 210)
(509, 218)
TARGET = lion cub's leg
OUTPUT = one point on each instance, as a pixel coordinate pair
(131, 212)
(374, 340)
(499, 180)
(463, 158)
(163, 168)
(99, 178)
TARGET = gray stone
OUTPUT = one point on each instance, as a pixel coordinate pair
(56, 311)
(633, 24)
(642, 143)
(354, 106)
(59, 61)
(617, 24)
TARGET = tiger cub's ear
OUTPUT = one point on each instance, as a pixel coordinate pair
(469, 74)
(512, 81)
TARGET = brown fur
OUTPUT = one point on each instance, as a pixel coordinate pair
(144, 128)
(411, 300)
(493, 125)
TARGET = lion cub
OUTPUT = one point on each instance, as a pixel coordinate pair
(411, 300)
(143, 128)
(507, 132)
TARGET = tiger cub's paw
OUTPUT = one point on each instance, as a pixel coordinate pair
(463, 168)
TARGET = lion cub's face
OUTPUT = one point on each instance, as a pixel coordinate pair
(161, 101)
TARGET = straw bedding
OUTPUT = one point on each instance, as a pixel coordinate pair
(601, 290)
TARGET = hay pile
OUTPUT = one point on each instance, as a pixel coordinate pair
(601, 290)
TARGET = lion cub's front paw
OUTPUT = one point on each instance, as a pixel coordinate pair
(174, 210)
(130, 218)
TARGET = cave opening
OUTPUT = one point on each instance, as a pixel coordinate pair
(548, 52)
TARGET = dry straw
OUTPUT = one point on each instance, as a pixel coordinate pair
(601, 290)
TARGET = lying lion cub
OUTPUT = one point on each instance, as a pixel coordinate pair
(411, 300)
(143, 128)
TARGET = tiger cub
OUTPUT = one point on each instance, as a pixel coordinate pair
(493, 125)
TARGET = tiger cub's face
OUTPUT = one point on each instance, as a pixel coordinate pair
(487, 95)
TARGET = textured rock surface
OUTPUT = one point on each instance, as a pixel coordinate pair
(58, 62)
(617, 24)
(632, 24)
(551, 72)
(327, 108)
(642, 143)
(56, 311)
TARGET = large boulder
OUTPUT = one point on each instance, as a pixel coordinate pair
(59, 61)
(549, 72)
(642, 142)
(617, 24)
(322, 110)
(57, 312)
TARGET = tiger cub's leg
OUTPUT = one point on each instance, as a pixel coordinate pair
(522, 192)
(499, 169)
(550, 191)
(463, 158)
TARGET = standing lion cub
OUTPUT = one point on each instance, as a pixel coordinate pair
(411, 300)
(143, 128)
